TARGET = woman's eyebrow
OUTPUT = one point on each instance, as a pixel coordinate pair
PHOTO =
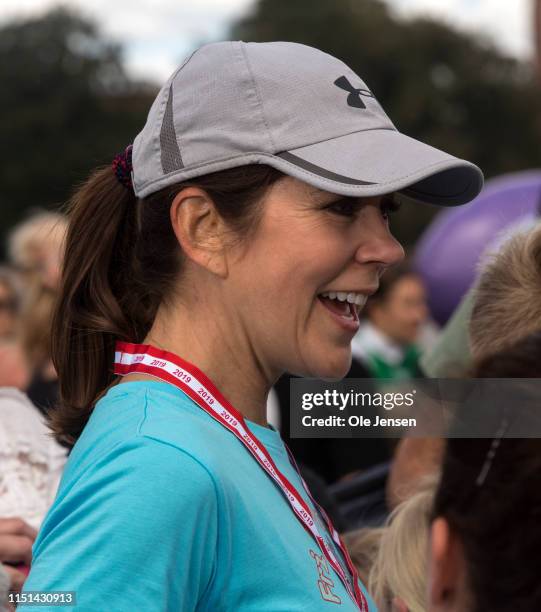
(325, 197)
(321, 197)
(316, 193)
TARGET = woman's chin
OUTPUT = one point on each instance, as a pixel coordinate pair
(331, 369)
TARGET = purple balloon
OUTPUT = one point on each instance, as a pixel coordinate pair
(447, 253)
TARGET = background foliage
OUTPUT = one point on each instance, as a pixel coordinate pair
(68, 105)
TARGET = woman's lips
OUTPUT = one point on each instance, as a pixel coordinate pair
(343, 313)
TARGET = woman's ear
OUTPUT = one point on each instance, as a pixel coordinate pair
(199, 229)
(445, 567)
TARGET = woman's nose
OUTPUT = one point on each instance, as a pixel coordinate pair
(380, 246)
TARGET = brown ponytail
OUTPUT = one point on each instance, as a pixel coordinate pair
(122, 260)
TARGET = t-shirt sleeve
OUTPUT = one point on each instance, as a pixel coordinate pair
(136, 530)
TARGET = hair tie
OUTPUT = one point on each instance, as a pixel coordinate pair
(122, 167)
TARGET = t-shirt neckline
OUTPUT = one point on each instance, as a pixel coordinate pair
(268, 435)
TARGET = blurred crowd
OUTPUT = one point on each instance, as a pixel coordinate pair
(31, 460)
(431, 524)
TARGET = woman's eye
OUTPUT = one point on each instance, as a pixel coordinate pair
(349, 207)
(345, 208)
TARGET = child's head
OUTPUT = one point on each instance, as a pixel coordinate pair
(36, 248)
(397, 576)
(507, 303)
(363, 545)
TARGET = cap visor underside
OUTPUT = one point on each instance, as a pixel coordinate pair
(376, 162)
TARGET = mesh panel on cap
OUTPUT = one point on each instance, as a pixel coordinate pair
(170, 151)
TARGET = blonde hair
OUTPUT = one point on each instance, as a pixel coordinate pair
(363, 545)
(26, 242)
(399, 569)
(507, 305)
(29, 245)
(35, 326)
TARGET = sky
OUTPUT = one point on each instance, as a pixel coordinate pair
(157, 34)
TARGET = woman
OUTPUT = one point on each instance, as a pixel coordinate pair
(216, 255)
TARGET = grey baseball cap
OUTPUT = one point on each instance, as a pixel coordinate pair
(296, 109)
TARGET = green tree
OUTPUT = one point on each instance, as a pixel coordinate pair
(67, 106)
(449, 88)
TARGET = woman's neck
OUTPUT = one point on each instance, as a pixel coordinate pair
(219, 353)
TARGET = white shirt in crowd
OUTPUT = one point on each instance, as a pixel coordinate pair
(31, 461)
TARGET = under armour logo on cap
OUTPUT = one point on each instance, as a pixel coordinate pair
(354, 99)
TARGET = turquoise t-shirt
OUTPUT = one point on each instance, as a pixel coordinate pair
(161, 508)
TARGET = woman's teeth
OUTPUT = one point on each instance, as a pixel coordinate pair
(353, 298)
(345, 305)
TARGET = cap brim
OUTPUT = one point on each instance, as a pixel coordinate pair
(382, 161)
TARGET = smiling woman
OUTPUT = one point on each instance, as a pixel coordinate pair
(235, 241)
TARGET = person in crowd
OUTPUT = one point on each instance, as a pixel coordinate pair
(485, 539)
(36, 323)
(32, 464)
(386, 343)
(451, 354)
(9, 302)
(36, 249)
(397, 579)
(393, 558)
(16, 538)
(14, 368)
(414, 459)
(32, 461)
(506, 306)
(213, 256)
(363, 545)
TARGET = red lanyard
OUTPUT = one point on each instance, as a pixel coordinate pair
(172, 369)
